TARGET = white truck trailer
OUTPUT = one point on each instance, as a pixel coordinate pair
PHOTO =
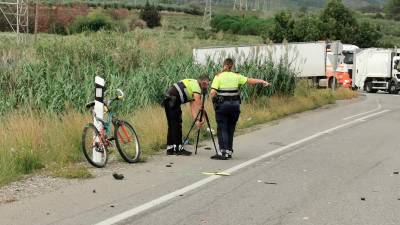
(377, 69)
(308, 59)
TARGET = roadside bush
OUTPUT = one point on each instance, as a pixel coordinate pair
(151, 15)
(94, 21)
(137, 23)
(378, 16)
(201, 33)
(58, 28)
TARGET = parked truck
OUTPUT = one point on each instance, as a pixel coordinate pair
(377, 69)
(311, 60)
(344, 70)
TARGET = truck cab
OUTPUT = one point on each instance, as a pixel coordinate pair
(344, 70)
(378, 69)
(396, 68)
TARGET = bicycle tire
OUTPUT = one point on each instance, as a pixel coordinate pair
(86, 149)
(122, 137)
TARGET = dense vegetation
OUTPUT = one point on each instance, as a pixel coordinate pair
(245, 25)
(393, 9)
(58, 71)
(334, 22)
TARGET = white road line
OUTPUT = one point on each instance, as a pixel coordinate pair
(364, 113)
(167, 197)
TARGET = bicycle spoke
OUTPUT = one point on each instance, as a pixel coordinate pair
(120, 137)
(127, 142)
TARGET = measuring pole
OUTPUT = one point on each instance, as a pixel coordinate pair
(98, 112)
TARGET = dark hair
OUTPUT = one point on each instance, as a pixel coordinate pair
(228, 62)
(203, 77)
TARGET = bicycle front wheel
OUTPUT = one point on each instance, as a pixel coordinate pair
(127, 141)
(93, 147)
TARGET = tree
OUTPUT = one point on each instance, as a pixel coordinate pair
(283, 27)
(367, 35)
(307, 28)
(151, 15)
(335, 22)
(392, 9)
(338, 21)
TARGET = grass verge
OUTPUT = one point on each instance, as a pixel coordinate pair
(35, 141)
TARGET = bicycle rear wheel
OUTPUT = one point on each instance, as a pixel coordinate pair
(93, 147)
(127, 141)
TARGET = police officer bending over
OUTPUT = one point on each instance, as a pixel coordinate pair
(226, 98)
(187, 90)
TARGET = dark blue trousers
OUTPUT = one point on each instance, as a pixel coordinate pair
(227, 115)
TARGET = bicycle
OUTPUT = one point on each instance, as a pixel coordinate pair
(96, 142)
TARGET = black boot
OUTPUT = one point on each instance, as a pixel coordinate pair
(181, 151)
(229, 153)
(170, 149)
(223, 156)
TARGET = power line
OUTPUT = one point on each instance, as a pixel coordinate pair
(16, 13)
(207, 14)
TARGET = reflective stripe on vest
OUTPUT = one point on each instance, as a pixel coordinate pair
(228, 92)
(183, 92)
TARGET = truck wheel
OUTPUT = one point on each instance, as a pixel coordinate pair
(393, 89)
(368, 87)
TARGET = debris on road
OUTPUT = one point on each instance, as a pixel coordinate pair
(168, 166)
(270, 183)
(8, 200)
(362, 199)
(94, 191)
(396, 172)
(207, 148)
(118, 176)
(216, 173)
(112, 206)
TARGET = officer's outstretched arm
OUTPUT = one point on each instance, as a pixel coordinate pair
(253, 81)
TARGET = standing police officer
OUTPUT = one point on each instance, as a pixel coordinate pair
(226, 98)
(187, 90)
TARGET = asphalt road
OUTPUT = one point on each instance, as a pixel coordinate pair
(337, 165)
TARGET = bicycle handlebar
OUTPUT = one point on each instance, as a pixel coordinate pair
(109, 102)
